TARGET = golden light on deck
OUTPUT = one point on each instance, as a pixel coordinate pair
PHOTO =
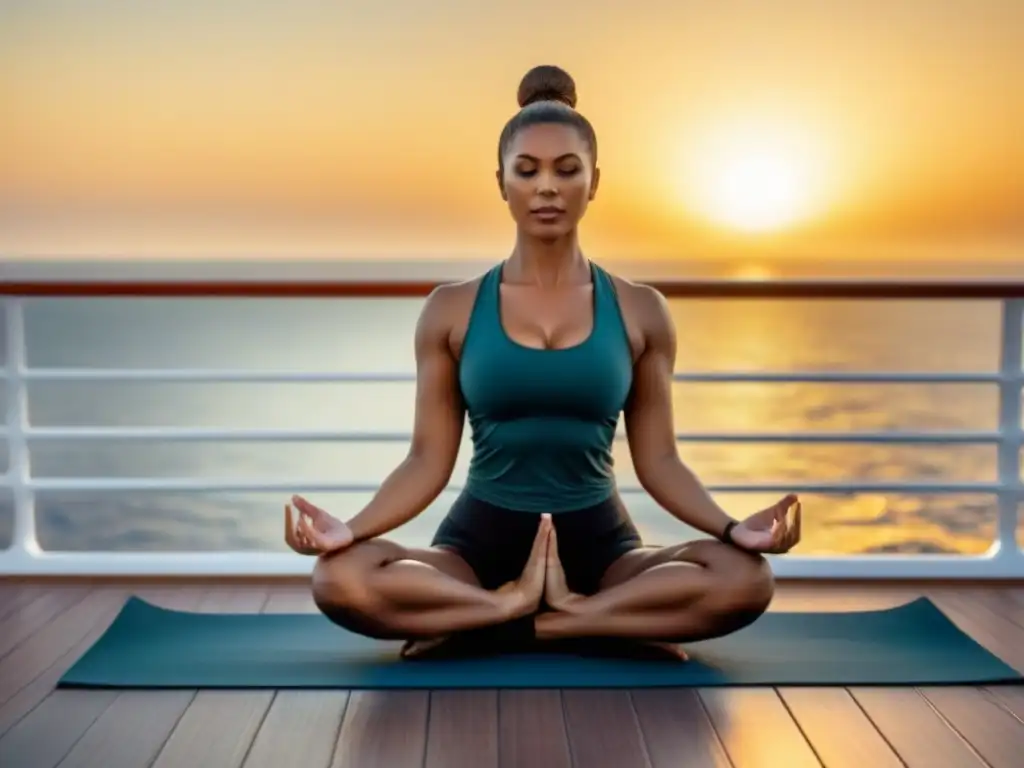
(754, 179)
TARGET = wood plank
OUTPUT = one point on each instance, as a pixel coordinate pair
(997, 633)
(134, 729)
(218, 726)
(603, 729)
(757, 729)
(677, 729)
(43, 684)
(379, 727)
(1012, 698)
(1009, 604)
(741, 724)
(49, 731)
(991, 729)
(28, 617)
(915, 730)
(48, 655)
(301, 727)
(1001, 602)
(13, 596)
(462, 729)
(130, 731)
(837, 728)
(832, 721)
(47, 734)
(531, 728)
(385, 728)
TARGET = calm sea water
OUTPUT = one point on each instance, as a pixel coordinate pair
(376, 335)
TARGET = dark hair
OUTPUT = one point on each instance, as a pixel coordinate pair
(547, 94)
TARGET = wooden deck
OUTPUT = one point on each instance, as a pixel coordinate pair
(45, 626)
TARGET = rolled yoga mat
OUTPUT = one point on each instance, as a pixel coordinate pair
(152, 647)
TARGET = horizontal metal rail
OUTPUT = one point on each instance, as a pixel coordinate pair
(197, 375)
(998, 563)
(283, 286)
(205, 434)
(286, 486)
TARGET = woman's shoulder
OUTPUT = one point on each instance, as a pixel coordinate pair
(643, 302)
(449, 305)
(448, 297)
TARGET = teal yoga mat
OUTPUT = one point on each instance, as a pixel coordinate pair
(152, 647)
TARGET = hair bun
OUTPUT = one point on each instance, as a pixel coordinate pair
(547, 83)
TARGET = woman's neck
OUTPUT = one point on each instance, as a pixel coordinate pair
(552, 264)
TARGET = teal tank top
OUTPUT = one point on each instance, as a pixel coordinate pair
(543, 420)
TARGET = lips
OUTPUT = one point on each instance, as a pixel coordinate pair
(547, 210)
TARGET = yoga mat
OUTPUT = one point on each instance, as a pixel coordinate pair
(152, 647)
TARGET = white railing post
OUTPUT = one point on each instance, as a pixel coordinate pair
(1011, 369)
(24, 544)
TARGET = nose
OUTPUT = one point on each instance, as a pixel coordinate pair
(546, 186)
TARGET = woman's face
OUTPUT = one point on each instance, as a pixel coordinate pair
(548, 180)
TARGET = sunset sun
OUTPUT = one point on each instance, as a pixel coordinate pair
(754, 181)
(757, 190)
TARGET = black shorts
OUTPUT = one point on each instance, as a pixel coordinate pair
(496, 542)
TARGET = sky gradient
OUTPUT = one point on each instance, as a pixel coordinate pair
(728, 129)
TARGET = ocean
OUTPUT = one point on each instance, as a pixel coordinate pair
(376, 335)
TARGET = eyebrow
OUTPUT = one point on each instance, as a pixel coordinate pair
(567, 156)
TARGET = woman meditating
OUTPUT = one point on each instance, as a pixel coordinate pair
(542, 353)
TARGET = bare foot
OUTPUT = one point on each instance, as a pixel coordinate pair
(556, 590)
(673, 649)
(414, 648)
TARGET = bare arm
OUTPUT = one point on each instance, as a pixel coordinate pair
(650, 426)
(437, 430)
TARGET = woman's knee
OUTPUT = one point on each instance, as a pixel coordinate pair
(744, 585)
(342, 585)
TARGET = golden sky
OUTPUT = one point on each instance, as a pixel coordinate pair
(250, 127)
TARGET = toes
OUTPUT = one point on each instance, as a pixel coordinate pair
(672, 649)
(413, 648)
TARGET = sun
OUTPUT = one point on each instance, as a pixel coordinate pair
(754, 180)
(756, 190)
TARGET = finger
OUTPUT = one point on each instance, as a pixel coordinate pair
(553, 546)
(794, 529)
(779, 532)
(300, 534)
(304, 506)
(293, 536)
(782, 507)
(304, 532)
(779, 511)
(540, 541)
(289, 534)
(312, 536)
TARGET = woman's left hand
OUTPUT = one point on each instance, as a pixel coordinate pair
(774, 530)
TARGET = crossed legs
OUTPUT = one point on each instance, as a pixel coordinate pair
(676, 594)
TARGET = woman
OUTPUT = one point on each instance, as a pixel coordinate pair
(543, 353)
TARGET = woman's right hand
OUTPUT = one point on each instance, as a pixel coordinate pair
(316, 532)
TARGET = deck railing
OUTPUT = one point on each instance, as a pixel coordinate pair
(1004, 560)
